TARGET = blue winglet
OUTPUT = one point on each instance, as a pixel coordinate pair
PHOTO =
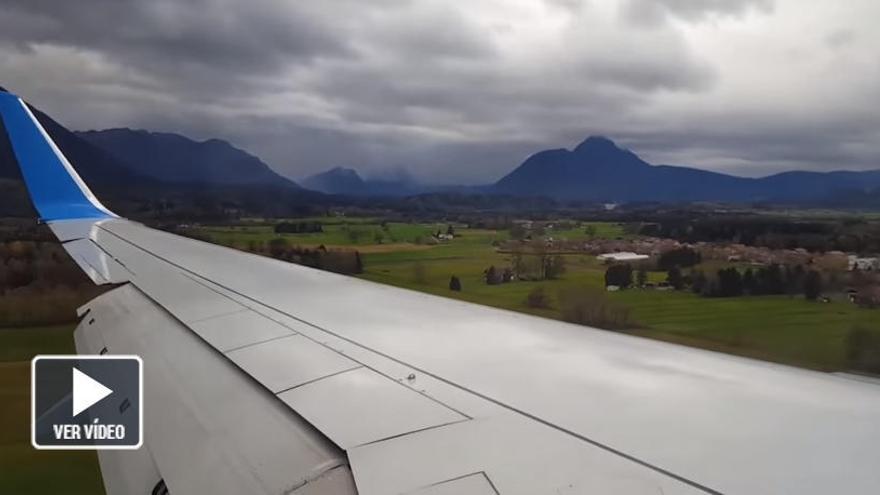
(57, 191)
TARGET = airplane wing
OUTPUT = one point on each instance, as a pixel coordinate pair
(263, 376)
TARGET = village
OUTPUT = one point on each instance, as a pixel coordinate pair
(853, 277)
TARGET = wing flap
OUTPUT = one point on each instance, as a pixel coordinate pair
(517, 455)
(289, 362)
(96, 263)
(208, 428)
(237, 330)
(360, 406)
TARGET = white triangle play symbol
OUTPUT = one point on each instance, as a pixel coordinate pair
(86, 391)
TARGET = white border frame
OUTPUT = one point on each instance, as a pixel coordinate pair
(57, 357)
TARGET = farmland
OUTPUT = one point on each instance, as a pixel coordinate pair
(786, 329)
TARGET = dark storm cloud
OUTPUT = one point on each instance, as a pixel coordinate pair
(457, 92)
(214, 33)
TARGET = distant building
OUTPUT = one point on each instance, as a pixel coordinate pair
(864, 264)
(622, 256)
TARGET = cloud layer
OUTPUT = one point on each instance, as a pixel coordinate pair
(463, 91)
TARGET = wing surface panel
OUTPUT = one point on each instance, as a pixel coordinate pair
(209, 427)
(592, 384)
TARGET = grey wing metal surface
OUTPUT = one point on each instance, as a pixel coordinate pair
(267, 377)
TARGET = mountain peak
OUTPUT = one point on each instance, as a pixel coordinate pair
(343, 171)
(337, 180)
(597, 143)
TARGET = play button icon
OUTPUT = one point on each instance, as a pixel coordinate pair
(86, 391)
(86, 402)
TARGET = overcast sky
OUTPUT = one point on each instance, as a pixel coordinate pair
(462, 92)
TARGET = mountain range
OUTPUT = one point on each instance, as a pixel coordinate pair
(174, 158)
(153, 176)
(597, 170)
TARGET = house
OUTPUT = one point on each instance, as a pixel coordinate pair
(864, 264)
(868, 297)
(622, 256)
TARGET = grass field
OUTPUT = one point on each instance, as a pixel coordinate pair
(24, 470)
(335, 234)
(603, 230)
(777, 328)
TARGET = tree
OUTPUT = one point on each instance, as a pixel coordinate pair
(588, 306)
(590, 230)
(454, 284)
(729, 283)
(516, 261)
(794, 279)
(450, 230)
(770, 280)
(675, 279)
(619, 275)
(750, 283)
(699, 282)
(358, 264)
(554, 267)
(682, 257)
(812, 285)
(642, 276)
(537, 298)
(539, 249)
(492, 277)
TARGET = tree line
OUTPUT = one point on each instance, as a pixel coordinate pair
(303, 227)
(773, 279)
(39, 283)
(347, 262)
(850, 235)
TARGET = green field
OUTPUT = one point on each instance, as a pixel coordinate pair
(336, 233)
(24, 470)
(605, 230)
(777, 328)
